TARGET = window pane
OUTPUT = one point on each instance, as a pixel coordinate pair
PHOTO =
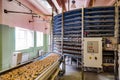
(30, 39)
(39, 39)
(24, 38)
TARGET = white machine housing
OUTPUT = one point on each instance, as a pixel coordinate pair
(25, 57)
(93, 52)
(16, 58)
(40, 52)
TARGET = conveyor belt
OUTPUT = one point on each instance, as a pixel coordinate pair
(48, 72)
(38, 70)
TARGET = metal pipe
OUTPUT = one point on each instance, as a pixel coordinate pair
(68, 5)
(6, 11)
(62, 39)
(117, 37)
(82, 48)
(51, 32)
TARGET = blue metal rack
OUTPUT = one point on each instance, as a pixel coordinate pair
(70, 26)
(99, 21)
(57, 29)
(72, 32)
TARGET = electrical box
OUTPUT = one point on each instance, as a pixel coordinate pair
(25, 57)
(109, 43)
(93, 52)
(16, 58)
(40, 52)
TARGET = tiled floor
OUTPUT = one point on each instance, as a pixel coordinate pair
(72, 73)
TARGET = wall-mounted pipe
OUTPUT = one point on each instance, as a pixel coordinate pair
(33, 14)
(7, 11)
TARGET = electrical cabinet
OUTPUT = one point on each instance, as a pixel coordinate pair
(16, 58)
(93, 52)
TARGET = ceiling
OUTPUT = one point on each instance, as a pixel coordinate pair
(44, 7)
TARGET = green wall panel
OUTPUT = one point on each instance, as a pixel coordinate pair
(46, 42)
(0, 46)
(8, 45)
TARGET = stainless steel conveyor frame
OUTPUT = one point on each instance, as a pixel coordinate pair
(49, 72)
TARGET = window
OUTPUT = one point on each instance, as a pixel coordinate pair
(39, 39)
(24, 38)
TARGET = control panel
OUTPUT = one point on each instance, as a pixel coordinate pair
(93, 52)
(92, 47)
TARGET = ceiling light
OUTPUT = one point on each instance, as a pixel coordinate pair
(73, 4)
